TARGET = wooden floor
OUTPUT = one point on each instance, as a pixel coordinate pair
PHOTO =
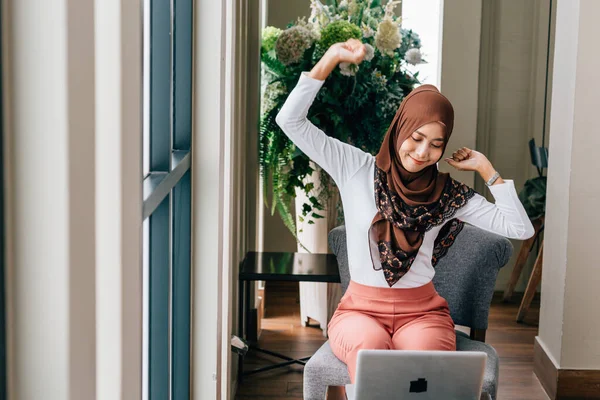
(283, 333)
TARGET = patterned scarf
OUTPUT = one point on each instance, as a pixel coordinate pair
(409, 204)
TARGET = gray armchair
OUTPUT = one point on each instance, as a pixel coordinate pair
(465, 277)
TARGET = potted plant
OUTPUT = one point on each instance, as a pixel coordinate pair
(355, 105)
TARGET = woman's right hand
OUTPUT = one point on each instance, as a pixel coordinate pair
(352, 51)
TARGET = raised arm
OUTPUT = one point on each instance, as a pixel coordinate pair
(507, 216)
(339, 159)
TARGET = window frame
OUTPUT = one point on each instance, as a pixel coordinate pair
(167, 198)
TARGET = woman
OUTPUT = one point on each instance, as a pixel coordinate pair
(401, 214)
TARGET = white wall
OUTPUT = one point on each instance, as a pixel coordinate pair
(512, 76)
(208, 194)
(568, 331)
(281, 12)
(243, 179)
(240, 174)
(225, 170)
(73, 334)
(118, 199)
(460, 75)
(50, 106)
(559, 179)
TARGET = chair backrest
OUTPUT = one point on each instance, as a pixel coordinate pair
(465, 277)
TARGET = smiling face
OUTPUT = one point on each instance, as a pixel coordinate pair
(424, 147)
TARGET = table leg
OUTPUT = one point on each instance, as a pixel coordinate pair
(534, 280)
(526, 246)
(241, 311)
(246, 307)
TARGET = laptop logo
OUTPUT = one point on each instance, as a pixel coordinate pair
(418, 386)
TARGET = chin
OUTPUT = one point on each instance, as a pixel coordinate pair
(415, 168)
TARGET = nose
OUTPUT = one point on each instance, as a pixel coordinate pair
(421, 151)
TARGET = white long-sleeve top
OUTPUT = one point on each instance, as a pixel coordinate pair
(353, 172)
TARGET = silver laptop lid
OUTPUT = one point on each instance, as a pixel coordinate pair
(421, 375)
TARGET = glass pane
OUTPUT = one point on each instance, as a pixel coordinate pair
(182, 68)
(159, 280)
(145, 304)
(181, 296)
(160, 85)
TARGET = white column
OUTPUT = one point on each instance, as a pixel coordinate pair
(460, 75)
(118, 199)
(50, 106)
(208, 191)
(569, 329)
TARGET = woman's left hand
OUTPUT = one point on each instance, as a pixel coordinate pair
(465, 159)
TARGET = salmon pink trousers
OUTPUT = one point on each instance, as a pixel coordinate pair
(385, 318)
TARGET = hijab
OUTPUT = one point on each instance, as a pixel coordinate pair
(411, 203)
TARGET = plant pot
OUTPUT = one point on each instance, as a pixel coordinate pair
(318, 300)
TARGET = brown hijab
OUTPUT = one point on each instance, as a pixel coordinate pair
(409, 204)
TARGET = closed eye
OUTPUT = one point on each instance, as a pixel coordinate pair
(420, 140)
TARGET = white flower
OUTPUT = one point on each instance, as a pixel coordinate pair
(413, 56)
(389, 7)
(367, 31)
(312, 28)
(379, 80)
(319, 14)
(348, 69)
(270, 94)
(292, 43)
(353, 8)
(387, 38)
(370, 52)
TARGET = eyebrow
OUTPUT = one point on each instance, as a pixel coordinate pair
(436, 139)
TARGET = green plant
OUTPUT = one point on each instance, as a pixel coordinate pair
(355, 105)
(533, 197)
(338, 31)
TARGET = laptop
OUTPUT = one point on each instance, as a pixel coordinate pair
(419, 375)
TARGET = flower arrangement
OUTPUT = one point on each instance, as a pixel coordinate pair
(355, 105)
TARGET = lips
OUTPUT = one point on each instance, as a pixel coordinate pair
(417, 161)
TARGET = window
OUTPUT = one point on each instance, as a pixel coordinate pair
(167, 197)
(425, 18)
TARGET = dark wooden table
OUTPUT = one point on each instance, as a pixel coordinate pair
(282, 266)
(339, 393)
(286, 266)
